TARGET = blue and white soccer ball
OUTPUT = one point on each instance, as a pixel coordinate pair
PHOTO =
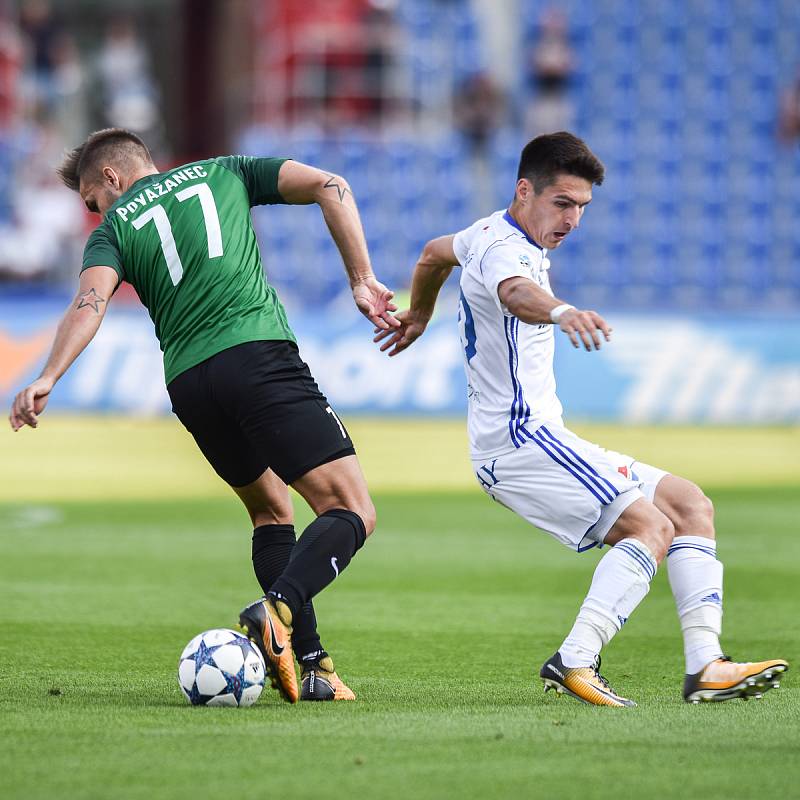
(221, 668)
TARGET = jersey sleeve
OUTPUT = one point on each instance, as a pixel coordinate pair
(500, 262)
(102, 250)
(259, 175)
(462, 241)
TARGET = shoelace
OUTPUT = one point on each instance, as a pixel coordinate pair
(596, 668)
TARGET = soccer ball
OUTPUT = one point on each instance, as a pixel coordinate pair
(221, 668)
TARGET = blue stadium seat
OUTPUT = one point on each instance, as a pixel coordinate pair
(680, 101)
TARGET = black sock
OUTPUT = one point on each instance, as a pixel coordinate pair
(321, 553)
(272, 549)
(305, 639)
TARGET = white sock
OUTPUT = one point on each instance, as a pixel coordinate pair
(695, 576)
(621, 581)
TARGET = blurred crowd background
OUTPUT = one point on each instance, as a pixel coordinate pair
(424, 105)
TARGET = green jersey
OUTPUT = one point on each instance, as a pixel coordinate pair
(185, 241)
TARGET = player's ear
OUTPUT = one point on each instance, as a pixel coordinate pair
(524, 190)
(111, 177)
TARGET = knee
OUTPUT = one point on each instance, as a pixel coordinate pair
(695, 514)
(364, 510)
(271, 516)
(658, 536)
(663, 533)
(368, 516)
(704, 508)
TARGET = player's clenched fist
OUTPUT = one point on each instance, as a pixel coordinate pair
(584, 326)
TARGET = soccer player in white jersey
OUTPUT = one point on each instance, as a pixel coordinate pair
(526, 459)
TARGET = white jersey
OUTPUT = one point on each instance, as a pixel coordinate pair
(511, 388)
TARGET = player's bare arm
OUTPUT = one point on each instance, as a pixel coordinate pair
(531, 304)
(301, 184)
(430, 272)
(76, 329)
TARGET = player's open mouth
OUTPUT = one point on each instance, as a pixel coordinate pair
(558, 235)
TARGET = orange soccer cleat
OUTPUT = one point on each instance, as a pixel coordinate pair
(319, 681)
(583, 683)
(724, 679)
(268, 624)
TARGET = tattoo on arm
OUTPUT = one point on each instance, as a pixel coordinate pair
(333, 183)
(91, 299)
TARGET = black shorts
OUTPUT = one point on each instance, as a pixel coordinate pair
(255, 406)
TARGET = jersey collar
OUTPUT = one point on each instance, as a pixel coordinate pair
(133, 188)
(514, 224)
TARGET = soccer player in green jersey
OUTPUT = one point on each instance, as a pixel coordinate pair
(185, 241)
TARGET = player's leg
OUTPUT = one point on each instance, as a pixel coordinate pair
(338, 495)
(639, 537)
(271, 512)
(311, 451)
(695, 576)
(639, 540)
(270, 508)
(575, 491)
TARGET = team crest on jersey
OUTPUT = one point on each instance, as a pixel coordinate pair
(524, 261)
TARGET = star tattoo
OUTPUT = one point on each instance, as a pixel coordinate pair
(333, 184)
(91, 299)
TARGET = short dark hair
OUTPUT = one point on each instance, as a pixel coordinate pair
(547, 156)
(110, 145)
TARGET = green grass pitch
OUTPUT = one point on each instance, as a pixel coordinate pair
(439, 625)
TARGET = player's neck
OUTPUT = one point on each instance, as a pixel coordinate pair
(138, 174)
(515, 212)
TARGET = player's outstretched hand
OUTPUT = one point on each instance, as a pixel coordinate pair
(29, 403)
(586, 327)
(398, 339)
(374, 301)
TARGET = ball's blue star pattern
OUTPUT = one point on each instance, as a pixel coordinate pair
(235, 684)
(197, 699)
(204, 655)
(244, 646)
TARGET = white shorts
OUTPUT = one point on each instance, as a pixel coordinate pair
(571, 488)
